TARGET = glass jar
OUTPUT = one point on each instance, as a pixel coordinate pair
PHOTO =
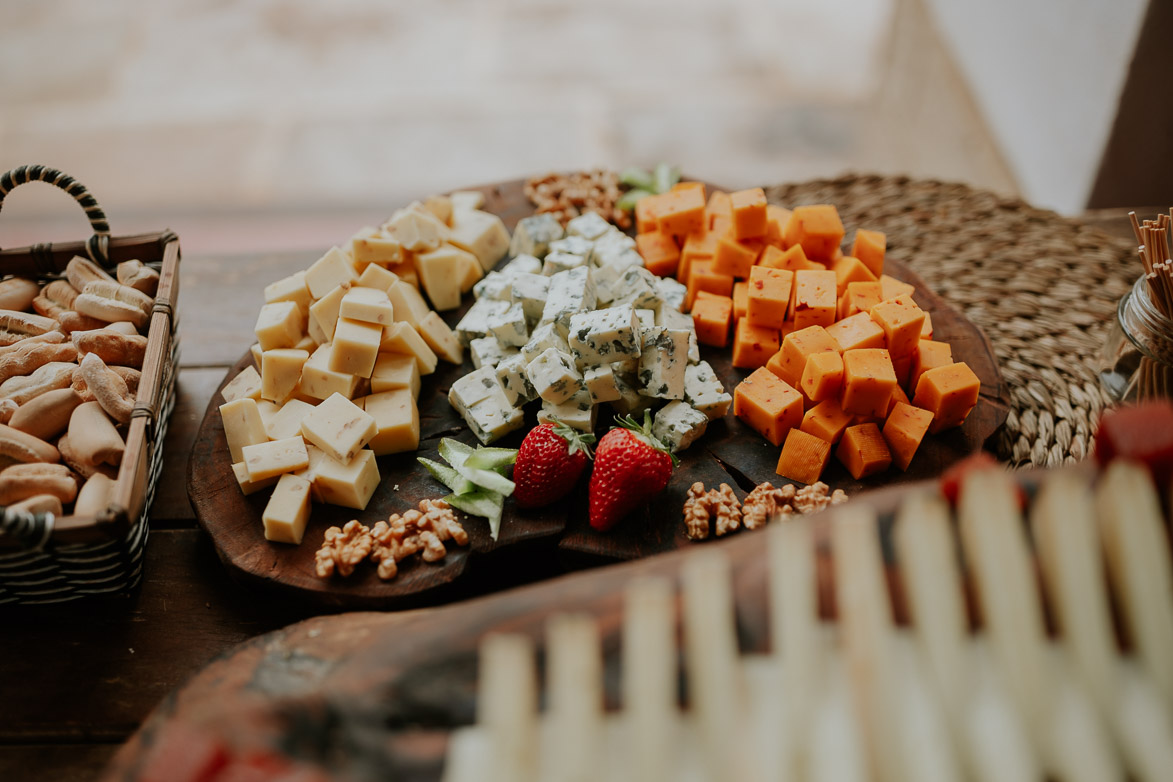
(1137, 362)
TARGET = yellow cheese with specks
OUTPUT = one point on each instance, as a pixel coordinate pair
(242, 426)
(288, 510)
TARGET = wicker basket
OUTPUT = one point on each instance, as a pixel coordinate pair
(44, 559)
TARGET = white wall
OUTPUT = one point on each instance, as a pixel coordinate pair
(1046, 75)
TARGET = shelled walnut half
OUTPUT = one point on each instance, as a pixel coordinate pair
(721, 508)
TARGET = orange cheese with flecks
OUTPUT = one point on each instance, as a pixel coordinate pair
(749, 213)
(711, 315)
(660, 253)
(753, 345)
(904, 430)
(803, 457)
(868, 381)
(768, 296)
(869, 247)
(817, 228)
(949, 393)
(814, 298)
(863, 451)
(767, 404)
(822, 377)
(799, 344)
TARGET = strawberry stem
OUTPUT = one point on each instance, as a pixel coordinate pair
(644, 432)
(575, 440)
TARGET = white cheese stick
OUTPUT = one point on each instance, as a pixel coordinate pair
(649, 678)
(507, 708)
(574, 687)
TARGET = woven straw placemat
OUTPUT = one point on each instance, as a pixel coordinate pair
(1042, 287)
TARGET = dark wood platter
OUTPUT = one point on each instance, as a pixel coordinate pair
(729, 452)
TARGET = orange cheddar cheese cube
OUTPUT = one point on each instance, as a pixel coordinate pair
(817, 228)
(646, 218)
(857, 332)
(869, 247)
(696, 247)
(703, 278)
(718, 206)
(734, 258)
(660, 253)
(768, 296)
(768, 404)
(859, 297)
(903, 431)
(797, 346)
(814, 298)
(788, 328)
(850, 269)
(901, 321)
(776, 219)
(752, 345)
(822, 378)
(792, 258)
(928, 355)
(863, 451)
(827, 421)
(681, 212)
(711, 315)
(949, 393)
(749, 213)
(926, 331)
(740, 299)
(868, 382)
(898, 397)
(803, 457)
(890, 288)
(690, 185)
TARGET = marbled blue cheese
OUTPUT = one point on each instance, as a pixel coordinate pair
(475, 322)
(575, 245)
(672, 293)
(674, 319)
(474, 387)
(494, 285)
(493, 418)
(619, 258)
(570, 292)
(630, 401)
(662, 361)
(600, 381)
(647, 319)
(489, 352)
(543, 338)
(604, 336)
(533, 235)
(522, 264)
(530, 290)
(577, 412)
(704, 391)
(613, 241)
(553, 376)
(678, 425)
(509, 327)
(636, 288)
(514, 381)
(589, 226)
(561, 262)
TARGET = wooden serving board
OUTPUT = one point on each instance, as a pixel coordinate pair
(540, 542)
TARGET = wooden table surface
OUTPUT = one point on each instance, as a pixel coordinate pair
(77, 679)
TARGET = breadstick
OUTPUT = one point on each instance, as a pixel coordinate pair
(71, 321)
(39, 503)
(116, 291)
(79, 272)
(129, 375)
(46, 416)
(32, 356)
(108, 388)
(49, 336)
(17, 293)
(122, 327)
(93, 436)
(45, 306)
(21, 481)
(61, 293)
(94, 495)
(110, 310)
(8, 409)
(15, 326)
(78, 463)
(23, 447)
(56, 374)
(112, 347)
(138, 276)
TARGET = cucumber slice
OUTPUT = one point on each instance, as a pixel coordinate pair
(455, 452)
(665, 176)
(487, 479)
(634, 176)
(447, 476)
(627, 201)
(480, 503)
(492, 459)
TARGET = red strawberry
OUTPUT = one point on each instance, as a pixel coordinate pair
(549, 463)
(631, 467)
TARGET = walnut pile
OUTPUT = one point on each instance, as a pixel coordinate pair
(759, 506)
(388, 543)
(567, 196)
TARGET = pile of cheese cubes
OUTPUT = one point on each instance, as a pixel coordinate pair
(838, 347)
(575, 320)
(340, 351)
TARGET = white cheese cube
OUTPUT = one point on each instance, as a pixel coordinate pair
(672, 293)
(543, 338)
(319, 381)
(589, 226)
(493, 418)
(292, 288)
(397, 421)
(328, 272)
(553, 376)
(482, 234)
(488, 352)
(604, 336)
(612, 241)
(476, 386)
(368, 305)
(509, 327)
(606, 279)
(674, 319)
(466, 200)
(286, 420)
(445, 272)
(339, 427)
(601, 383)
(618, 258)
(630, 401)
(647, 319)
(636, 288)
(475, 322)
(533, 235)
(570, 292)
(279, 325)
(287, 511)
(246, 384)
(578, 412)
(678, 425)
(417, 230)
(560, 262)
(395, 371)
(281, 372)
(377, 277)
(402, 338)
(255, 350)
(242, 426)
(356, 346)
(514, 381)
(349, 485)
(530, 291)
(409, 305)
(274, 457)
(704, 391)
(324, 314)
(440, 338)
(378, 249)
(249, 487)
(574, 245)
(662, 362)
(494, 286)
(522, 264)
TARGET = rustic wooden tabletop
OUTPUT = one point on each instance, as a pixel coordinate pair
(76, 680)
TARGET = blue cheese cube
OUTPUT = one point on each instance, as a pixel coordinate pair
(603, 336)
(674, 319)
(514, 381)
(628, 368)
(600, 382)
(619, 258)
(475, 322)
(614, 240)
(647, 319)
(533, 235)
(678, 425)
(672, 293)
(494, 285)
(630, 401)
(489, 352)
(662, 362)
(531, 290)
(576, 412)
(474, 387)
(522, 264)
(570, 292)
(588, 226)
(605, 278)
(543, 338)
(553, 376)
(493, 418)
(704, 391)
(636, 288)
(509, 327)
(575, 245)
(561, 262)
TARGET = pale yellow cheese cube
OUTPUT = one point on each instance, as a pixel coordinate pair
(377, 277)
(274, 457)
(441, 339)
(247, 383)
(319, 381)
(308, 344)
(466, 200)
(328, 272)
(406, 271)
(324, 314)
(339, 427)
(280, 373)
(368, 305)
(242, 426)
(310, 471)
(417, 230)
(256, 351)
(378, 249)
(409, 305)
(286, 420)
(402, 338)
(349, 485)
(444, 272)
(394, 370)
(397, 421)
(292, 288)
(247, 486)
(441, 207)
(482, 234)
(279, 325)
(355, 347)
(268, 410)
(288, 510)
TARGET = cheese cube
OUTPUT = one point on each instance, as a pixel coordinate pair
(662, 361)
(804, 457)
(509, 326)
(741, 299)
(671, 294)
(286, 420)
(647, 319)
(417, 229)
(310, 471)
(280, 373)
(826, 420)
(514, 381)
(679, 321)
(533, 235)
(495, 286)
(603, 336)
(522, 264)
(349, 485)
(823, 376)
(440, 206)
(530, 291)
(543, 338)
(868, 382)
(443, 273)
(308, 344)
(753, 345)
(734, 258)
(749, 213)
(796, 347)
(678, 425)
(489, 352)
(630, 401)
(573, 245)
(949, 392)
(857, 332)
(402, 338)
(287, 511)
(397, 421)
(554, 376)
(356, 346)
(814, 298)
(904, 430)
(292, 288)
(274, 457)
(474, 387)
(863, 451)
(869, 247)
(279, 325)
(768, 296)
(589, 226)
(440, 338)
(858, 297)
(378, 249)
(479, 398)
(704, 391)
(817, 228)
(577, 412)
(242, 426)
(612, 241)
(339, 427)
(246, 384)
(711, 316)
(482, 234)
(328, 272)
(255, 350)
(240, 472)
(324, 314)
(368, 305)
(319, 381)
(556, 262)
(768, 404)
(600, 383)
(392, 371)
(570, 292)
(636, 288)
(928, 355)
(466, 200)
(409, 305)
(475, 322)
(848, 270)
(902, 322)
(660, 253)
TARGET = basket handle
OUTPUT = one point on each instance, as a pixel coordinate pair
(99, 244)
(31, 530)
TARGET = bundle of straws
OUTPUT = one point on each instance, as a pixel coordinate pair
(1155, 376)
